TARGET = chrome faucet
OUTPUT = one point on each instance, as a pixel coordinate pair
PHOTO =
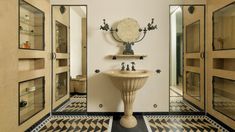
(133, 66)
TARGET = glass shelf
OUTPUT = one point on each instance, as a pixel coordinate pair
(31, 98)
(223, 31)
(224, 96)
(31, 28)
(30, 92)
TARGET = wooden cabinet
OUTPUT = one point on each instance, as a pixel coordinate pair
(221, 60)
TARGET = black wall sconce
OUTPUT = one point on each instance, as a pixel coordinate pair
(62, 9)
(191, 9)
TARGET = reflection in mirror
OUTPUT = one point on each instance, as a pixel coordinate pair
(193, 37)
(71, 53)
(193, 85)
(186, 40)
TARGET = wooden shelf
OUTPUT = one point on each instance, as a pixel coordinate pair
(224, 74)
(114, 57)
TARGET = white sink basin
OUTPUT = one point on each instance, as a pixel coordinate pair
(128, 82)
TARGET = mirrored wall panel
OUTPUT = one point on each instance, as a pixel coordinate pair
(31, 98)
(224, 31)
(61, 85)
(61, 38)
(69, 26)
(193, 85)
(224, 96)
(31, 27)
(193, 37)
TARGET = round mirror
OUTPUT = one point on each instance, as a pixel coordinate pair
(128, 30)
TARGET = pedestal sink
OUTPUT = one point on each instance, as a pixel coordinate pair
(128, 82)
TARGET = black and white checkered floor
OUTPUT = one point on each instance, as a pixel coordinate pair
(178, 104)
(77, 103)
(151, 123)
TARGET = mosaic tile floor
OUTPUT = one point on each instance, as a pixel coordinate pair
(77, 103)
(177, 104)
(76, 124)
(182, 124)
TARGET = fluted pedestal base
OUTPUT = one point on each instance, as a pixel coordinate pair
(128, 121)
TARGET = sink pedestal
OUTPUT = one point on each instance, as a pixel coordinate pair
(128, 83)
(128, 120)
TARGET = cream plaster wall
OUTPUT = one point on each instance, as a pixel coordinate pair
(75, 43)
(101, 44)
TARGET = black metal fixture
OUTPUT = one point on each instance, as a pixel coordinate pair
(62, 9)
(191, 9)
(97, 71)
(128, 45)
(158, 71)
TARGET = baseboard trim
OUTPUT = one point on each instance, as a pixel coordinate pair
(37, 123)
(220, 122)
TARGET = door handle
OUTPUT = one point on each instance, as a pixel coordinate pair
(53, 56)
(202, 55)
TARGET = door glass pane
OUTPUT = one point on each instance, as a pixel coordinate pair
(193, 37)
(31, 98)
(31, 28)
(224, 96)
(61, 41)
(193, 85)
(224, 31)
(61, 85)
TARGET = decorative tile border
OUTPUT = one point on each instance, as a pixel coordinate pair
(172, 117)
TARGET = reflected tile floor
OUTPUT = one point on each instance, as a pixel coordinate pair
(75, 124)
(182, 124)
(77, 103)
(177, 104)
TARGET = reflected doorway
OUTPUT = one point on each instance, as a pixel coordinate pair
(187, 58)
(69, 27)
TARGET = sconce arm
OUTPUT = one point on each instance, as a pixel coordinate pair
(120, 41)
(145, 32)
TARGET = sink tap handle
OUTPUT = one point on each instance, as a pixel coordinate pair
(123, 66)
(133, 66)
(127, 67)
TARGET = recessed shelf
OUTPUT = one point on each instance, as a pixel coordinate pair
(224, 64)
(114, 57)
(29, 64)
(61, 62)
(193, 62)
